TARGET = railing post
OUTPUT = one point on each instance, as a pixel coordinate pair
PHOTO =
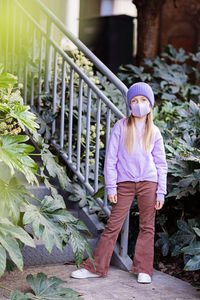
(34, 57)
(124, 237)
(62, 117)
(13, 9)
(7, 23)
(96, 171)
(87, 136)
(40, 73)
(71, 95)
(80, 98)
(54, 91)
(48, 55)
(20, 35)
(107, 139)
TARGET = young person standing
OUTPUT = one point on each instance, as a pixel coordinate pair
(135, 164)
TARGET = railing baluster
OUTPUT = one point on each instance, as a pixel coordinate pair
(40, 73)
(13, 37)
(54, 90)
(1, 40)
(26, 33)
(108, 114)
(34, 57)
(79, 124)
(124, 237)
(32, 90)
(7, 35)
(48, 55)
(97, 145)
(71, 90)
(25, 82)
(87, 135)
(62, 117)
(20, 44)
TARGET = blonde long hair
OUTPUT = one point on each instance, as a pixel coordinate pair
(129, 132)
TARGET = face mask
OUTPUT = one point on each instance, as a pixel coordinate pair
(140, 109)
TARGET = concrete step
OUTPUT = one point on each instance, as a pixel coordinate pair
(40, 256)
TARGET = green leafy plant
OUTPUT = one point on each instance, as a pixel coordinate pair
(169, 75)
(80, 194)
(193, 263)
(45, 289)
(185, 240)
(49, 219)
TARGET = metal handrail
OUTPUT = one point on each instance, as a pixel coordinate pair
(97, 62)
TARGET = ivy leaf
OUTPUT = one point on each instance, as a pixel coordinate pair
(197, 230)
(8, 235)
(46, 224)
(53, 167)
(46, 289)
(79, 244)
(50, 204)
(193, 107)
(12, 196)
(43, 227)
(2, 260)
(6, 79)
(193, 264)
(10, 266)
(71, 232)
(14, 153)
(193, 249)
(99, 193)
(78, 192)
(7, 228)
(11, 245)
(164, 242)
(24, 117)
(17, 295)
(174, 55)
(4, 108)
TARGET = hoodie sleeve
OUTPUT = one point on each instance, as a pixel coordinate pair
(159, 158)
(111, 158)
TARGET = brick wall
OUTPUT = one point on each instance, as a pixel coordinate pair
(180, 26)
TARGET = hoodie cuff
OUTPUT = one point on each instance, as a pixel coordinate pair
(111, 191)
(160, 197)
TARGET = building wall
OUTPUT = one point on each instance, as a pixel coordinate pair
(89, 8)
(180, 26)
(94, 8)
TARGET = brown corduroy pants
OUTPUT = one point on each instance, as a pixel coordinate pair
(144, 250)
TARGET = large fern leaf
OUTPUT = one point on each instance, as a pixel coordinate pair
(14, 153)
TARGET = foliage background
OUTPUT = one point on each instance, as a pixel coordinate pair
(175, 78)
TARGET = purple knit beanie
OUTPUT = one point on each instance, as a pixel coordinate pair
(140, 88)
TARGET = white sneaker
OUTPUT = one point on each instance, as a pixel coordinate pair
(144, 278)
(83, 273)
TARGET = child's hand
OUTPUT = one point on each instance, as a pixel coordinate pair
(112, 198)
(159, 204)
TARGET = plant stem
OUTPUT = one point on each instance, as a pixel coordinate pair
(5, 288)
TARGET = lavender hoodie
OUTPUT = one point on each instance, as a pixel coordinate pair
(120, 166)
